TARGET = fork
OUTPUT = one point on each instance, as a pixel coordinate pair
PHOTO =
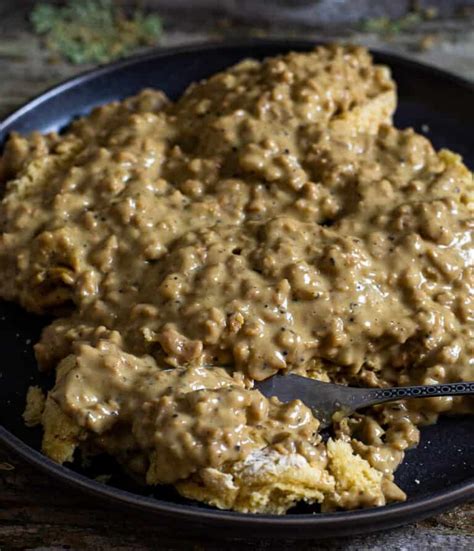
(325, 399)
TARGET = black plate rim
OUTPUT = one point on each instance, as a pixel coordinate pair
(326, 524)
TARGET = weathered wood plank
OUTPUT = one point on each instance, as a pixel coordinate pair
(26, 66)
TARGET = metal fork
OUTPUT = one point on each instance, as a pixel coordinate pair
(325, 399)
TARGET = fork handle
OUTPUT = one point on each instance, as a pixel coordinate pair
(370, 397)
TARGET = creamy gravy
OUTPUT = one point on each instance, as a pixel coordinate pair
(272, 219)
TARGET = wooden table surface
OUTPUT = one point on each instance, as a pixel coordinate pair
(39, 513)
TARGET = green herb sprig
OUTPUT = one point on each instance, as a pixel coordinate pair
(94, 31)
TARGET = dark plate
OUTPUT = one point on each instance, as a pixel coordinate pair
(437, 474)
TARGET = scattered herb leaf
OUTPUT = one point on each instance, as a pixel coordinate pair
(387, 26)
